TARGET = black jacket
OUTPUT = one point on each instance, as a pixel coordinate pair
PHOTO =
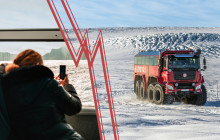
(36, 104)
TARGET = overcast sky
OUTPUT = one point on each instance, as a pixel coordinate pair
(112, 13)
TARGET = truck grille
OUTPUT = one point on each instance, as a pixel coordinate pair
(185, 86)
(184, 74)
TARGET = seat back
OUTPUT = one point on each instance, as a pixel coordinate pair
(4, 121)
(85, 123)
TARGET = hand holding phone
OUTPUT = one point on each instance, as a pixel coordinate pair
(62, 82)
(62, 71)
(62, 78)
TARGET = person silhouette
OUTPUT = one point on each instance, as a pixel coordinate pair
(36, 102)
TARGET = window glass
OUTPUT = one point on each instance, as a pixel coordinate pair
(135, 60)
(151, 60)
(155, 58)
(139, 60)
(147, 60)
(143, 60)
(183, 62)
(165, 62)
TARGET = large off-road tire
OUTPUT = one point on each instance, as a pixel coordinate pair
(143, 94)
(160, 97)
(168, 99)
(158, 94)
(137, 89)
(150, 92)
(202, 97)
(199, 99)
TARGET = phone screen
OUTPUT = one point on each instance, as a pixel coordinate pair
(62, 71)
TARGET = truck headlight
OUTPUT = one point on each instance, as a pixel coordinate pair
(170, 87)
(198, 87)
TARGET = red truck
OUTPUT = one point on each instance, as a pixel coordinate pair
(163, 77)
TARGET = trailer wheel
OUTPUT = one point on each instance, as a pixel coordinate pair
(137, 90)
(202, 97)
(160, 97)
(142, 92)
(150, 92)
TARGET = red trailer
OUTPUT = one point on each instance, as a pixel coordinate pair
(171, 75)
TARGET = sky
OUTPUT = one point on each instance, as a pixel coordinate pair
(113, 13)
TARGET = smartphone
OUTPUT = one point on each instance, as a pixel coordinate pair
(62, 71)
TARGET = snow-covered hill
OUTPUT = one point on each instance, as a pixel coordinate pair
(209, 43)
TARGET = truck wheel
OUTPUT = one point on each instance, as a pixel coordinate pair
(150, 91)
(168, 99)
(158, 94)
(137, 90)
(142, 92)
(202, 97)
(160, 97)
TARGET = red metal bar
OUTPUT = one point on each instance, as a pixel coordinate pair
(85, 47)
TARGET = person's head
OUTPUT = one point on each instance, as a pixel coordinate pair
(27, 57)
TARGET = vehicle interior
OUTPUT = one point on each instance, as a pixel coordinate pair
(85, 122)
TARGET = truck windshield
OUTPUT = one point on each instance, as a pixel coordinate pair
(183, 62)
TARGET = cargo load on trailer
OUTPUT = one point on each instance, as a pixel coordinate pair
(163, 77)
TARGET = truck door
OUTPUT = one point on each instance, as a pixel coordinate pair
(165, 69)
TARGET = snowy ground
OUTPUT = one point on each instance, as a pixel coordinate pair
(140, 119)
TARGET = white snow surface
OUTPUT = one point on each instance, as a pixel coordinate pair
(141, 120)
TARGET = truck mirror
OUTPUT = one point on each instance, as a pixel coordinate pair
(204, 61)
(198, 51)
(205, 67)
